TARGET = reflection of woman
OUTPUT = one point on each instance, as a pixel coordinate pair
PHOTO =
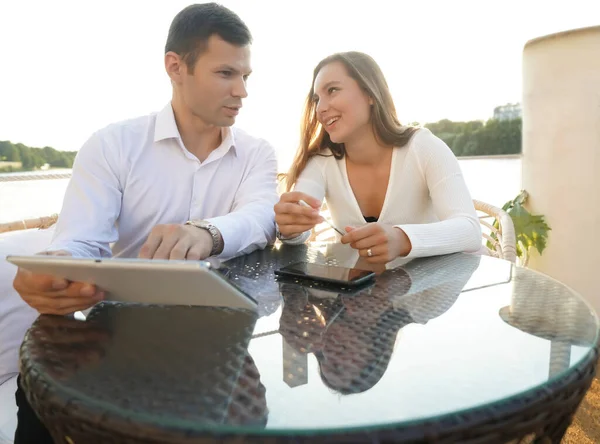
(398, 191)
(353, 337)
(358, 344)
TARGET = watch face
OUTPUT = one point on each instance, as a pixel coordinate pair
(201, 224)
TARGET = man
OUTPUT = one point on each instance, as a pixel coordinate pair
(179, 184)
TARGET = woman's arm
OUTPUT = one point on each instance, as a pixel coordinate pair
(458, 228)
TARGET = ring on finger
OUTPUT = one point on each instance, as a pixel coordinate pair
(369, 252)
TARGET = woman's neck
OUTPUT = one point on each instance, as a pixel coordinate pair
(366, 150)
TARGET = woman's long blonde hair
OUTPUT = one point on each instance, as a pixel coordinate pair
(387, 128)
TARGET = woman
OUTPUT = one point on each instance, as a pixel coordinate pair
(396, 191)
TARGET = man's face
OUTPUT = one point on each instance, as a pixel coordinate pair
(214, 92)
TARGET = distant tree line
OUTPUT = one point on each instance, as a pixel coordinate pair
(33, 158)
(477, 138)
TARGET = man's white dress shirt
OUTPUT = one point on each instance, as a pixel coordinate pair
(134, 175)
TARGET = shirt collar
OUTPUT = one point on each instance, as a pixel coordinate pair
(166, 128)
(227, 140)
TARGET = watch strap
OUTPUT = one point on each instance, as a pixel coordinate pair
(217, 239)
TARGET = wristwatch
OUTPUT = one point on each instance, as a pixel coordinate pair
(218, 244)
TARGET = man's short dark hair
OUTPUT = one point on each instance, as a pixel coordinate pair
(194, 25)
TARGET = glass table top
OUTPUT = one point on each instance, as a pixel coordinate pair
(429, 337)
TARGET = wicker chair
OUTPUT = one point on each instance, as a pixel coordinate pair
(26, 224)
(504, 241)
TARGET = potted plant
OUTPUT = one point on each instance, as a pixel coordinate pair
(531, 230)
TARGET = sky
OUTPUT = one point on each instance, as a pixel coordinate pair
(70, 68)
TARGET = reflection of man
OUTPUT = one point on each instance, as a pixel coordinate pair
(353, 337)
(217, 378)
(248, 406)
(171, 371)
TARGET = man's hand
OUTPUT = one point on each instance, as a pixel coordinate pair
(378, 243)
(177, 242)
(294, 219)
(50, 295)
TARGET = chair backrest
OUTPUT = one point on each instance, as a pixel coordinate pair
(26, 224)
(502, 238)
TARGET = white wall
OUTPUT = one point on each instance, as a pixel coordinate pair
(561, 153)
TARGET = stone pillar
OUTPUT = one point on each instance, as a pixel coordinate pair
(561, 153)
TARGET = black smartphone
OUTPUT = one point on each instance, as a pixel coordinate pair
(349, 277)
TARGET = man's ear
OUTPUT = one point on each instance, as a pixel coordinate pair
(174, 66)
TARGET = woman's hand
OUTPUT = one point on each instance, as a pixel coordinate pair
(294, 219)
(378, 243)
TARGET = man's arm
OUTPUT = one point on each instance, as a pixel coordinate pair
(85, 228)
(92, 202)
(251, 223)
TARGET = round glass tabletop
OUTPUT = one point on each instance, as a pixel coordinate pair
(427, 338)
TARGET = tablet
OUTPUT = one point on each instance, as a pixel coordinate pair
(144, 281)
(347, 277)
